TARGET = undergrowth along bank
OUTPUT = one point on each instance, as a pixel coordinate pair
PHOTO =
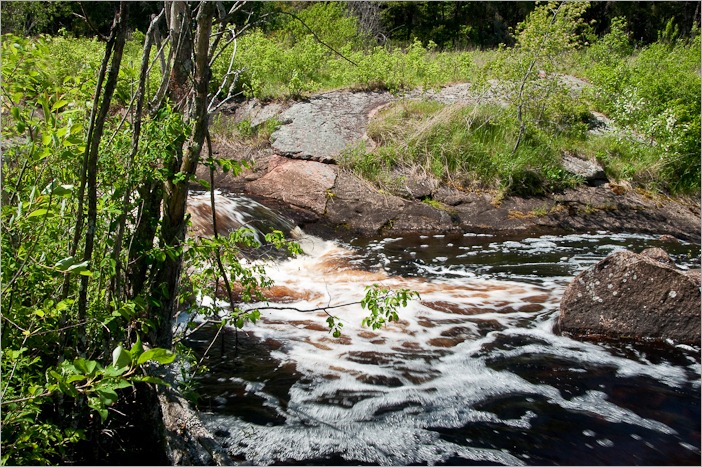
(651, 94)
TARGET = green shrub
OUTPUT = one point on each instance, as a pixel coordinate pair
(275, 66)
(613, 46)
(656, 93)
(330, 22)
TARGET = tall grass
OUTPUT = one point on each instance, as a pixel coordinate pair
(470, 147)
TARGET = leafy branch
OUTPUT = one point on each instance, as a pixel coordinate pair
(383, 305)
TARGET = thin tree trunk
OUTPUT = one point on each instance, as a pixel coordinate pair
(78, 232)
(157, 40)
(151, 193)
(520, 103)
(176, 190)
(116, 282)
(179, 85)
(91, 179)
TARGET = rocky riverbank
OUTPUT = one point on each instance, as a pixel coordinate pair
(298, 174)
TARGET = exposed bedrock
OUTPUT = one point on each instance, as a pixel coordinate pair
(298, 174)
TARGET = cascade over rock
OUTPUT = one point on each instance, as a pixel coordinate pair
(633, 296)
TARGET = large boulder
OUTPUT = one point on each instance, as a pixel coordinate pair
(633, 296)
(320, 128)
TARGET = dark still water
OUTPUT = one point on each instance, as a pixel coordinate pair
(471, 375)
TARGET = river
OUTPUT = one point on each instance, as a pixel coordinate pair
(472, 374)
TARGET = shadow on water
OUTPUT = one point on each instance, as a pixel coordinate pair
(235, 373)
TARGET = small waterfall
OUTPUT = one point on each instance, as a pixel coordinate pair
(233, 212)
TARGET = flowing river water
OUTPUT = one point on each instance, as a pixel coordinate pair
(472, 374)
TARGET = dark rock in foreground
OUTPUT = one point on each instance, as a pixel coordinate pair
(633, 296)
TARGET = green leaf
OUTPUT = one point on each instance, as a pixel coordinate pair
(120, 357)
(64, 304)
(120, 384)
(108, 396)
(81, 268)
(65, 263)
(59, 104)
(62, 385)
(86, 367)
(157, 355)
(137, 349)
(63, 190)
(113, 371)
(96, 404)
(150, 379)
(54, 374)
(38, 212)
(203, 183)
(74, 378)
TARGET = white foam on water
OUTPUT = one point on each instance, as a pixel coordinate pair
(370, 443)
(378, 396)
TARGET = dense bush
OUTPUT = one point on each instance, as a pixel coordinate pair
(293, 61)
(655, 93)
(54, 359)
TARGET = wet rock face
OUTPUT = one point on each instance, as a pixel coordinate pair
(633, 296)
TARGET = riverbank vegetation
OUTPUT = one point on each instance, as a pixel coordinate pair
(650, 93)
(97, 156)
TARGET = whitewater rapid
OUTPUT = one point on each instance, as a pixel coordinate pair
(472, 372)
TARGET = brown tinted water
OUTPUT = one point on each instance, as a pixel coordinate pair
(471, 375)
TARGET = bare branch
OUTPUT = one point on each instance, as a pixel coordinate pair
(318, 39)
(90, 24)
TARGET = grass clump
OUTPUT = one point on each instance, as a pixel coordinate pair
(463, 145)
(256, 135)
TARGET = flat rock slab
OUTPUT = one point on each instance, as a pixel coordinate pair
(322, 127)
(305, 184)
(357, 206)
